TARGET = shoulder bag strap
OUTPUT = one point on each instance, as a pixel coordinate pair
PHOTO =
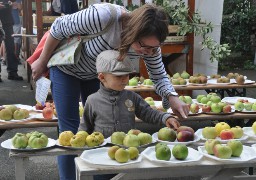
(110, 22)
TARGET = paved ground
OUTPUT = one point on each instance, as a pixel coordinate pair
(12, 92)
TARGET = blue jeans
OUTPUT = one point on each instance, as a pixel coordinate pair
(66, 91)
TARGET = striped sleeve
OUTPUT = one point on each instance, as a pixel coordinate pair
(88, 21)
(159, 77)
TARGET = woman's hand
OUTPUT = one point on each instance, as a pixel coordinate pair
(179, 108)
(172, 123)
(38, 69)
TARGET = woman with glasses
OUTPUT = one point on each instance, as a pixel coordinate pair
(135, 34)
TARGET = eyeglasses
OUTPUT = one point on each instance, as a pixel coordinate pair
(152, 48)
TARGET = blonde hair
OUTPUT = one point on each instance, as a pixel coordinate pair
(147, 20)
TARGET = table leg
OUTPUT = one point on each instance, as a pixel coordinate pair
(19, 168)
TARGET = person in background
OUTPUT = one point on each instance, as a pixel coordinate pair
(69, 6)
(137, 34)
(112, 100)
(7, 23)
(16, 7)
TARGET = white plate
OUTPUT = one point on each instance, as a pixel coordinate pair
(254, 146)
(150, 154)
(22, 106)
(100, 157)
(142, 146)
(82, 148)
(196, 84)
(21, 120)
(190, 113)
(249, 132)
(158, 103)
(245, 82)
(8, 145)
(155, 137)
(233, 100)
(41, 117)
(248, 154)
(130, 87)
(199, 134)
(149, 86)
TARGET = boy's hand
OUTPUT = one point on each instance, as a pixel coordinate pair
(172, 123)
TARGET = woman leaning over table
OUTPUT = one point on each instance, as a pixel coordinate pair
(136, 34)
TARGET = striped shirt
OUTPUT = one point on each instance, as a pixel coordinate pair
(93, 20)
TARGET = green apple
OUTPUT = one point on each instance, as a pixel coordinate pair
(182, 81)
(209, 144)
(236, 147)
(211, 94)
(238, 132)
(149, 99)
(176, 75)
(199, 97)
(131, 140)
(175, 82)
(151, 103)
(222, 104)
(118, 137)
(216, 108)
(184, 75)
(188, 99)
(222, 151)
(182, 98)
(254, 127)
(204, 100)
(148, 82)
(248, 106)
(122, 155)
(254, 106)
(209, 133)
(144, 138)
(209, 103)
(215, 99)
(166, 134)
(163, 153)
(239, 106)
(133, 82)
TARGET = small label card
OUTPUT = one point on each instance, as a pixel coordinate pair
(42, 89)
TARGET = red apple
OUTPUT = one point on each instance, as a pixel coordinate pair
(48, 113)
(226, 109)
(206, 108)
(227, 134)
(185, 136)
(185, 128)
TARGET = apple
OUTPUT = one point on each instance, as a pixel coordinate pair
(182, 81)
(215, 99)
(184, 75)
(149, 99)
(220, 126)
(199, 97)
(209, 133)
(176, 75)
(222, 151)
(133, 82)
(222, 104)
(248, 106)
(166, 134)
(254, 127)
(204, 100)
(238, 132)
(185, 128)
(209, 144)
(118, 137)
(144, 138)
(209, 103)
(216, 108)
(151, 103)
(226, 109)
(206, 108)
(131, 140)
(194, 108)
(175, 82)
(148, 82)
(185, 136)
(236, 147)
(188, 99)
(254, 106)
(182, 98)
(227, 134)
(211, 94)
(239, 106)
(47, 113)
(134, 131)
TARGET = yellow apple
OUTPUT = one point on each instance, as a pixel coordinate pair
(221, 126)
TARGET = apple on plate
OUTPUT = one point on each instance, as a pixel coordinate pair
(226, 109)
(254, 106)
(220, 126)
(188, 99)
(209, 132)
(238, 132)
(209, 144)
(227, 134)
(133, 82)
(239, 106)
(48, 113)
(194, 108)
(248, 106)
(206, 108)
(215, 99)
(216, 108)
(204, 100)
(166, 134)
(222, 151)
(199, 97)
(185, 128)
(185, 136)
(236, 147)
(254, 127)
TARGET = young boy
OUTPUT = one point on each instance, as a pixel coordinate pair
(114, 109)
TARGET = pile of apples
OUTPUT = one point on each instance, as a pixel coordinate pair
(163, 151)
(48, 109)
(123, 155)
(183, 75)
(9, 112)
(80, 139)
(194, 108)
(222, 130)
(183, 134)
(212, 103)
(134, 138)
(244, 104)
(233, 148)
(198, 79)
